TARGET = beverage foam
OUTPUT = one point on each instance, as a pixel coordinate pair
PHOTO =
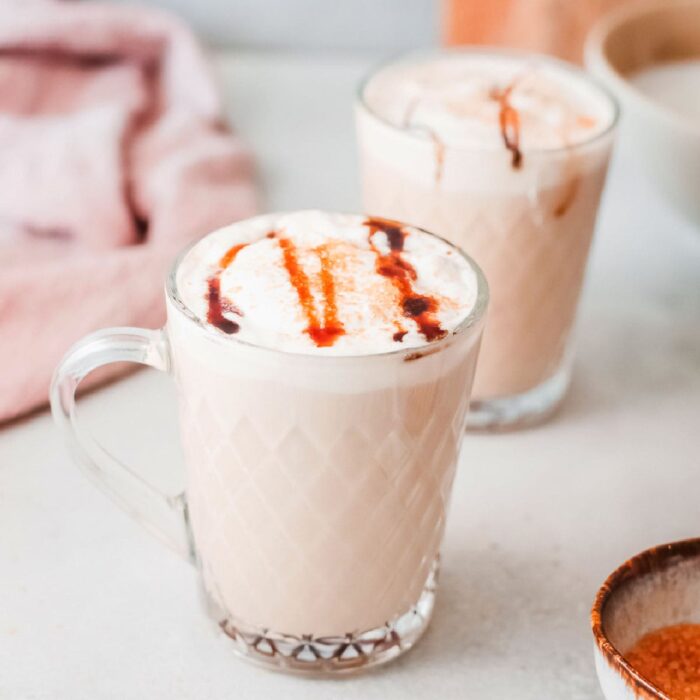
(487, 100)
(322, 283)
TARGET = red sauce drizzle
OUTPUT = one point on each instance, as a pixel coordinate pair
(509, 121)
(418, 307)
(217, 305)
(324, 334)
(332, 327)
(230, 255)
(215, 312)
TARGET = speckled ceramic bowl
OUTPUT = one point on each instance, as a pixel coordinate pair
(657, 588)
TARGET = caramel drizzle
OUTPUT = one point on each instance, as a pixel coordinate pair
(509, 121)
(215, 304)
(326, 333)
(230, 255)
(415, 306)
(570, 192)
(400, 333)
(570, 188)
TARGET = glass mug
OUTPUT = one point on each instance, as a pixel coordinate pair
(316, 486)
(530, 227)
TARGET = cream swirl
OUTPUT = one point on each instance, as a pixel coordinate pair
(316, 282)
(470, 99)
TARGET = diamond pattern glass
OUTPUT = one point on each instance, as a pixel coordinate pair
(317, 492)
(532, 243)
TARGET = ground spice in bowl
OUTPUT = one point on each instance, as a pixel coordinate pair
(669, 657)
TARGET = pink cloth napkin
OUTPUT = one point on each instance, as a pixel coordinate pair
(113, 156)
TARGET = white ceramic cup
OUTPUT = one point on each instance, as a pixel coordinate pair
(666, 142)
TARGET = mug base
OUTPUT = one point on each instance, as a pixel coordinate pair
(521, 410)
(330, 655)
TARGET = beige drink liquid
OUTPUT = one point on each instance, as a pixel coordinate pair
(505, 155)
(323, 399)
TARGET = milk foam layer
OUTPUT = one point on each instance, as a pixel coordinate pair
(459, 98)
(332, 284)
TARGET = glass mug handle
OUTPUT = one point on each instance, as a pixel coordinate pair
(163, 515)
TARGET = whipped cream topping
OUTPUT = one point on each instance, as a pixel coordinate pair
(337, 284)
(467, 99)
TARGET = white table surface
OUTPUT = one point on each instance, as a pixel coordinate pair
(93, 607)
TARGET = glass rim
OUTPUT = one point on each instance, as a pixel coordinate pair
(475, 315)
(492, 50)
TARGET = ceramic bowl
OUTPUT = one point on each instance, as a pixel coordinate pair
(665, 142)
(657, 588)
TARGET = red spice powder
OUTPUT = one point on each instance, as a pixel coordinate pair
(669, 657)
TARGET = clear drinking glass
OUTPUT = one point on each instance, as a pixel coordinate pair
(316, 487)
(529, 227)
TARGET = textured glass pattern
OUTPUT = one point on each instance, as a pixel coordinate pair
(532, 248)
(318, 511)
(335, 654)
